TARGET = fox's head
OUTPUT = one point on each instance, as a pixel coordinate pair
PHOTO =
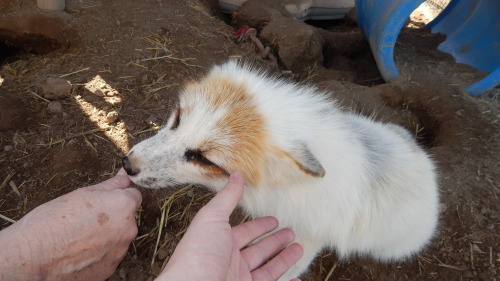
(219, 127)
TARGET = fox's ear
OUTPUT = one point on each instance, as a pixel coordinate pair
(291, 165)
(306, 161)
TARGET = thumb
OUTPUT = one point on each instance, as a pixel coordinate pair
(119, 181)
(226, 200)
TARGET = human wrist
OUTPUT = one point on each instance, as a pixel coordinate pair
(20, 258)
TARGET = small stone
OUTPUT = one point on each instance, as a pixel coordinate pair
(442, 208)
(485, 211)
(123, 273)
(111, 117)
(8, 148)
(476, 248)
(98, 93)
(190, 193)
(151, 119)
(162, 254)
(55, 107)
(55, 87)
(156, 268)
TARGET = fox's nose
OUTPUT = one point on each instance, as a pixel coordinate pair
(128, 167)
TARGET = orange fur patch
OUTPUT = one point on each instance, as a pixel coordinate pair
(241, 124)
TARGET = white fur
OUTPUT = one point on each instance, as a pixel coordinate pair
(379, 194)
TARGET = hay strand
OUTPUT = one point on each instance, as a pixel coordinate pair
(7, 218)
(7, 179)
(331, 272)
(74, 72)
(38, 96)
(14, 188)
(78, 135)
(165, 210)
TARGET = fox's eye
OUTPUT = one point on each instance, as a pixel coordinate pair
(175, 119)
(197, 156)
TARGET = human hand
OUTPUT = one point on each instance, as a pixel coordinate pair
(212, 250)
(82, 235)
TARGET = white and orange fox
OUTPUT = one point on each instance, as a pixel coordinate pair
(337, 179)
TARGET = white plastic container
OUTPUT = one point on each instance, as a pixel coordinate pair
(55, 5)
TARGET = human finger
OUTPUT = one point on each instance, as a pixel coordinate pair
(276, 267)
(226, 200)
(123, 181)
(257, 254)
(135, 194)
(119, 181)
(247, 232)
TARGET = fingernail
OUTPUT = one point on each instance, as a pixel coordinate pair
(235, 177)
(121, 172)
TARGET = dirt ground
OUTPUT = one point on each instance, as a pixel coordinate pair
(127, 59)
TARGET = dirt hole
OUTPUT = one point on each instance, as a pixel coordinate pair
(33, 34)
(8, 53)
(347, 51)
(427, 129)
(13, 46)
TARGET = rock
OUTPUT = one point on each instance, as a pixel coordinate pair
(123, 273)
(162, 254)
(151, 119)
(485, 211)
(156, 268)
(98, 93)
(55, 87)
(258, 13)
(8, 148)
(303, 42)
(190, 193)
(442, 208)
(294, 41)
(55, 107)
(111, 117)
(476, 248)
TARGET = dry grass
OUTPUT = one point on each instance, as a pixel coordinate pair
(165, 210)
(7, 218)
(89, 132)
(7, 179)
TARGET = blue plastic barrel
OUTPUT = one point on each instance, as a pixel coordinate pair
(472, 30)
